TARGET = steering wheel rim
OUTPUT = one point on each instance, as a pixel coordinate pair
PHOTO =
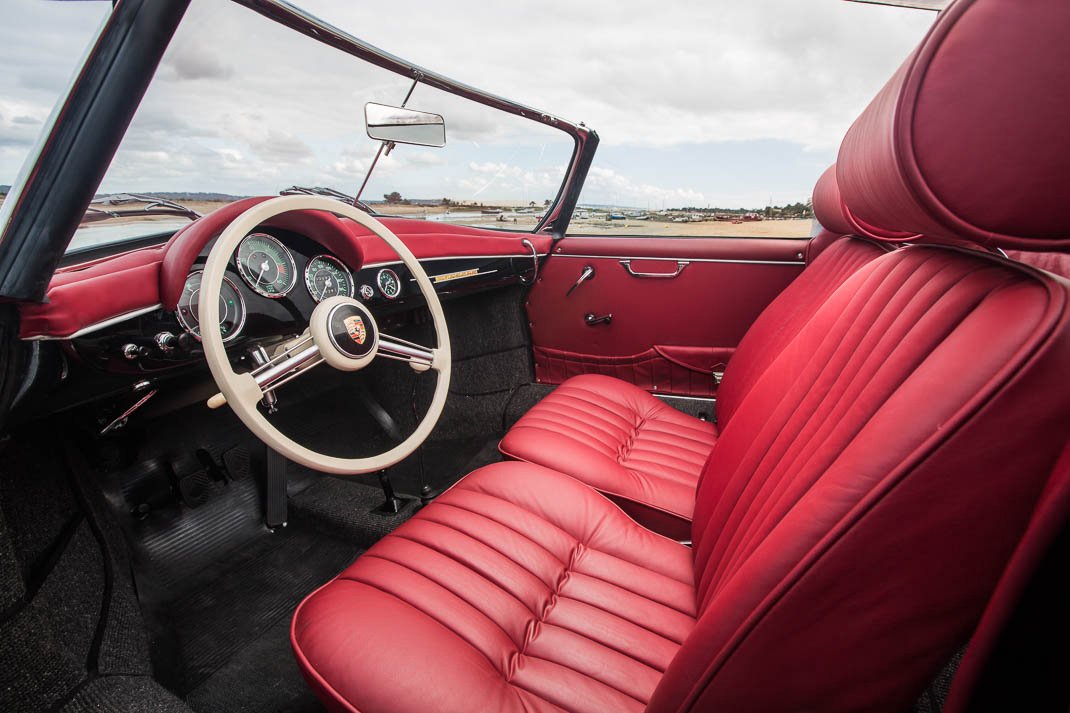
(243, 393)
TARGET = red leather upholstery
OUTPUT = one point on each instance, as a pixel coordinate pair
(593, 427)
(619, 439)
(828, 205)
(859, 507)
(735, 277)
(518, 590)
(1055, 263)
(851, 522)
(659, 368)
(968, 140)
(788, 313)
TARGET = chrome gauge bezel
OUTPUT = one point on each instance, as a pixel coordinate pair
(191, 330)
(248, 279)
(326, 257)
(379, 284)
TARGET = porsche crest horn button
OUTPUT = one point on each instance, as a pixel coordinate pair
(352, 330)
(355, 326)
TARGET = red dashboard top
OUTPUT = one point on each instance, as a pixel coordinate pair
(88, 294)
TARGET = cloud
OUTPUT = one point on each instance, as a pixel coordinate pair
(604, 185)
(243, 105)
(193, 61)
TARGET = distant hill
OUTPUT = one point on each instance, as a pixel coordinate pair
(186, 196)
(4, 190)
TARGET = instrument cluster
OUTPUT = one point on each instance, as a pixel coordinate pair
(271, 266)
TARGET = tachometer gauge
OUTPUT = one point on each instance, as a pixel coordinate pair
(389, 284)
(326, 276)
(231, 308)
(266, 265)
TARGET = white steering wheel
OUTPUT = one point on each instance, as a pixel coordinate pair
(342, 333)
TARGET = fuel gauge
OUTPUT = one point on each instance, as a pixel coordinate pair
(389, 284)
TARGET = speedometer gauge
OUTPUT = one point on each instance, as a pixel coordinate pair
(326, 276)
(231, 308)
(266, 265)
(389, 284)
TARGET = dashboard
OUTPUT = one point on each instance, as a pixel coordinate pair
(272, 284)
(120, 319)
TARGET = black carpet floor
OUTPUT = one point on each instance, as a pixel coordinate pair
(221, 641)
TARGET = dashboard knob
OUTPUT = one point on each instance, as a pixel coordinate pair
(131, 351)
(167, 342)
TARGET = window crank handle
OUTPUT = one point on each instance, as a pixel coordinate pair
(587, 274)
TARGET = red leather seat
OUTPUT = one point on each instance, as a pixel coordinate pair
(856, 511)
(646, 455)
(520, 589)
(850, 523)
(619, 439)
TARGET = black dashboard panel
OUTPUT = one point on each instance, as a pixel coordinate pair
(156, 341)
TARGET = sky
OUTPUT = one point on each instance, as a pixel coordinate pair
(728, 104)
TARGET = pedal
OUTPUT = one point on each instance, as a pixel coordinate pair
(275, 497)
(195, 488)
(236, 462)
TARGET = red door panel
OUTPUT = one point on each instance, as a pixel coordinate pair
(678, 307)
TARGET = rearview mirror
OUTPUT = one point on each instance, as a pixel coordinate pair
(404, 126)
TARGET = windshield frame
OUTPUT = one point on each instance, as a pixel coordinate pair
(58, 182)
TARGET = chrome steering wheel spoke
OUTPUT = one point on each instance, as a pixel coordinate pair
(420, 358)
(289, 362)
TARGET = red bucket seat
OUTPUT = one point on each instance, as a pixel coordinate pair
(645, 454)
(856, 511)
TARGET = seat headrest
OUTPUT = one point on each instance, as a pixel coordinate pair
(970, 138)
(828, 206)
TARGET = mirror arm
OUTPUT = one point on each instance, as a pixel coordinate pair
(388, 145)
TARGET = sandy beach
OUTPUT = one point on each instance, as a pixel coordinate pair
(517, 219)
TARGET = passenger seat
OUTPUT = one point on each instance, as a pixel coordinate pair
(646, 455)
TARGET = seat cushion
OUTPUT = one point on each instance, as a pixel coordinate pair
(618, 439)
(519, 589)
(646, 455)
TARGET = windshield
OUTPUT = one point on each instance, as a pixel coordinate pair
(243, 106)
(724, 134)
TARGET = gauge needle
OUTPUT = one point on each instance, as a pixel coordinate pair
(326, 284)
(263, 268)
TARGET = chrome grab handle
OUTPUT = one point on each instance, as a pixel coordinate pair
(680, 265)
(534, 259)
(590, 319)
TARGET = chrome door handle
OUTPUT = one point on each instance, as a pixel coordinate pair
(591, 320)
(680, 265)
(587, 274)
(535, 262)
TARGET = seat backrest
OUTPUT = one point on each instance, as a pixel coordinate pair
(859, 507)
(781, 320)
(871, 485)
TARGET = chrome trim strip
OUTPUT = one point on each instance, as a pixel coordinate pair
(688, 259)
(448, 257)
(703, 399)
(95, 327)
(446, 277)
